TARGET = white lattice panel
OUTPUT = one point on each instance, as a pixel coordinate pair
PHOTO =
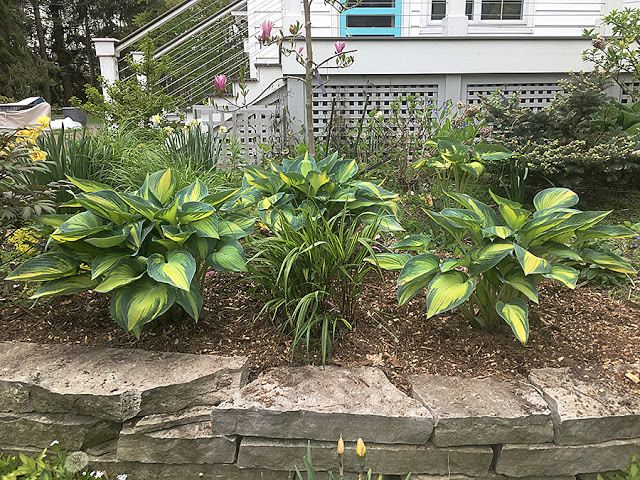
(532, 95)
(624, 98)
(350, 101)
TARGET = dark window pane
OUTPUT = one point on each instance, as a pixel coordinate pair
(372, 3)
(502, 10)
(438, 9)
(491, 10)
(469, 9)
(364, 21)
(512, 10)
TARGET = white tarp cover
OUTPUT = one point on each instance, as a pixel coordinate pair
(24, 118)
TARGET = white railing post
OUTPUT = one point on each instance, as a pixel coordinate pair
(607, 7)
(455, 23)
(106, 52)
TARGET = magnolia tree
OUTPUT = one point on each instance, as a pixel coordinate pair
(288, 45)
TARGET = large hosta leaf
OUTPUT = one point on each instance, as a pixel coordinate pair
(604, 231)
(389, 261)
(123, 273)
(192, 211)
(344, 170)
(488, 256)
(516, 313)
(140, 302)
(200, 247)
(228, 256)
(177, 269)
(46, 266)
(65, 286)
(161, 184)
(447, 291)
(564, 274)
(490, 152)
(102, 263)
(193, 193)
(140, 205)
(418, 243)
(108, 239)
(555, 198)
(416, 275)
(207, 227)
(88, 186)
(530, 263)
(607, 260)
(515, 278)
(80, 226)
(190, 300)
(106, 204)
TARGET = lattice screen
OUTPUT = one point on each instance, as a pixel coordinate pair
(624, 98)
(350, 100)
(532, 95)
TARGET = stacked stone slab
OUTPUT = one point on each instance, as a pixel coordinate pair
(166, 416)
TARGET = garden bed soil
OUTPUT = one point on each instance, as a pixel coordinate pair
(580, 329)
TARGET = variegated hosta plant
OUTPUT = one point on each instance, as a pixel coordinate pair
(150, 249)
(324, 188)
(503, 256)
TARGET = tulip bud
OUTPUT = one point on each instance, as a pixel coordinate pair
(361, 450)
(340, 446)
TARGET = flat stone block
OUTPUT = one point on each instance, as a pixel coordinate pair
(110, 383)
(484, 411)
(74, 432)
(285, 455)
(321, 404)
(189, 443)
(583, 406)
(531, 460)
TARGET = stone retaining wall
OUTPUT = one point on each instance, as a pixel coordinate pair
(163, 415)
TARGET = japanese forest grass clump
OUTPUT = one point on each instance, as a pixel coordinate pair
(150, 249)
(503, 256)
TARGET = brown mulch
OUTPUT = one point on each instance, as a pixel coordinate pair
(579, 328)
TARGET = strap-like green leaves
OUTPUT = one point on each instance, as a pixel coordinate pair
(177, 269)
(516, 314)
(448, 290)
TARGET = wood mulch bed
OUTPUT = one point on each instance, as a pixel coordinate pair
(580, 328)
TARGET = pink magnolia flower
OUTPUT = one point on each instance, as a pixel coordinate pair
(300, 50)
(340, 46)
(219, 82)
(265, 28)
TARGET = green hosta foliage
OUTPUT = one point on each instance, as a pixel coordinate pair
(150, 250)
(618, 116)
(322, 189)
(453, 161)
(503, 256)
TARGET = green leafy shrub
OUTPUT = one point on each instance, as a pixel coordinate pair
(313, 275)
(630, 473)
(324, 188)
(503, 258)
(149, 249)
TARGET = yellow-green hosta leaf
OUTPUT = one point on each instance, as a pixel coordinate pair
(270, 202)
(177, 269)
(386, 223)
(293, 179)
(317, 180)
(123, 273)
(245, 222)
(162, 184)
(102, 263)
(516, 313)
(515, 278)
(465, 218)
(498, 231)
(53, 219)
(138, 234)
(505, 201)
(452, 150)
(514, 217)
(565, 275)
(343, 195)
(530, 263)
(88, 185)
(453, 228)
(344, 170)
(227, 228)
(389, 261)
(558, 249)
(474, 168)
(488, 256)
(447, 291)
(190, 300)
(228, 256)
(168, 214)
(207, 227)
(540, 225)
(218, 199)
(606, 260)
(327, 164)
(418, 243)
(604, 231)
(139, 303)
(194, 211)
(555, 198)
(375, 190)
(106, 204)
(490, 152)
(200, 247)
(449, 264)
(46, 266)
(303, 165)
(176, 234)
(416, 275)
(193, 193)
(80, 226)
(486, 213)
(107, 239)
(65, 286)
(140, 205)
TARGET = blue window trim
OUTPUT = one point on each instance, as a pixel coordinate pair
(394, 31)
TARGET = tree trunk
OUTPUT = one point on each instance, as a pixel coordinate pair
(42, 48)
(308, 77)
(61, 52)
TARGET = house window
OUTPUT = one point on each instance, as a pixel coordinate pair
(490, 9)
(371, 17)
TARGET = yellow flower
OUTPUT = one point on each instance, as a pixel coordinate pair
(361, 450)
(340, 446)
(222, 129)
(43, 121)
(38, 155)
(156, 119)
